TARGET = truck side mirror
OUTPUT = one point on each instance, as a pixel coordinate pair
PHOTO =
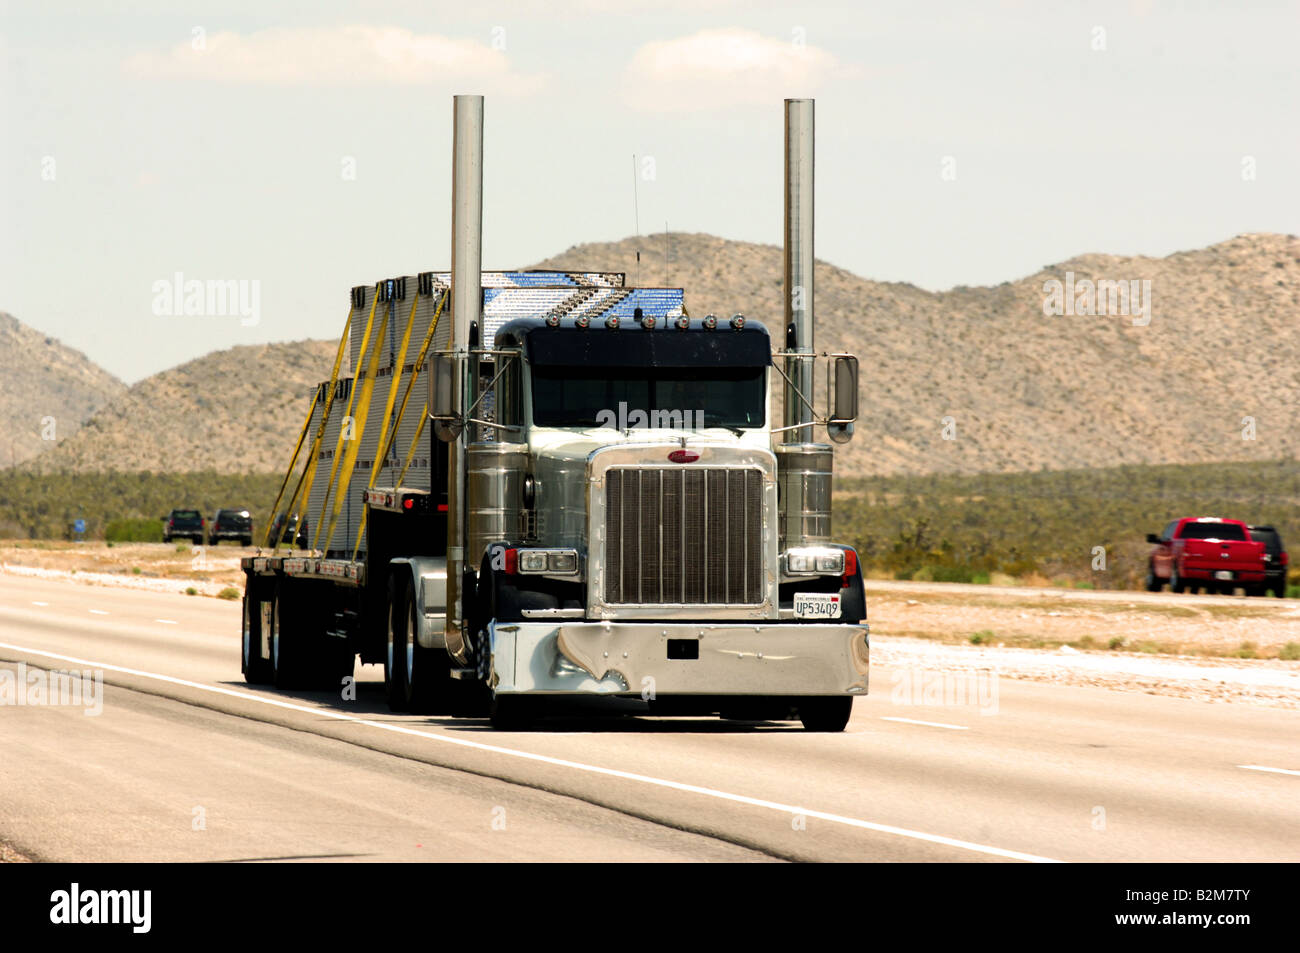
(844, 410)
(1153, 538)
(444, 394)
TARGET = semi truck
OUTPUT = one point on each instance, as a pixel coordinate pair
(539, 486)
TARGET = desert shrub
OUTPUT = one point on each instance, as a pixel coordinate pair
(134, 530)
(1046, 524)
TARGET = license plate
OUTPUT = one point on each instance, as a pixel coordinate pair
(816, 605)
(1223, 574)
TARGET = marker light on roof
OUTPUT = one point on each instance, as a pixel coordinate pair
(710, 322)
(683, 323)
(553, 320)
(648, 322)
(581, 321)
(738, 321)
(611, 322)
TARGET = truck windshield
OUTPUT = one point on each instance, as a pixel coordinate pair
(632, 397)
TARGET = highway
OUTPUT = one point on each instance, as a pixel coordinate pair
(186, 762)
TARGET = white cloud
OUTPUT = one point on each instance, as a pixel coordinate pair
(336, 56)
(726, 67)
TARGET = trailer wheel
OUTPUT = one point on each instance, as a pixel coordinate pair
(826, 714)
(287, 656)
(395, 681)
(257, 670)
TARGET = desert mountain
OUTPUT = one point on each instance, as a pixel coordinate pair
(46, 390)
(236, 411)
(1214, 374)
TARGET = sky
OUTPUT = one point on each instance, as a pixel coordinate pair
(299, 149)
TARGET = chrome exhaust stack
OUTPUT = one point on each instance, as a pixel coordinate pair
(466, 312)
(803, 466)
(799, 214)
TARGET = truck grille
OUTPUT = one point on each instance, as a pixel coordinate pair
(683, 536)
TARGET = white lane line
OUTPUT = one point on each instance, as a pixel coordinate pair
(167, 621)
(35, 603)
(928, 724)
(1260, 767)
(97, 612)
(560, 762)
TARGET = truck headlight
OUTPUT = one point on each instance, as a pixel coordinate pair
(532, 561)
(814, 561)
(564, 563)
(553, 562)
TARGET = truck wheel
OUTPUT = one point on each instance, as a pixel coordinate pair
(287, 662)
(428, 671)
(257, 670)
(1279, 590)
(395, 682)
(1153, 581)
(826, 714)
(510, 712)
(1175, 581)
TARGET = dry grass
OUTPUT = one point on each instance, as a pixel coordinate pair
(206, 569)
(1258, 629)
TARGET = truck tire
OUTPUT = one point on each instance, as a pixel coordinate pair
(428, 671)
(826, 714)
(257, 670)
(511, 712)
(1176, 583)
(505, 712)
(288, 661)
(395, 681)
(1154, 583)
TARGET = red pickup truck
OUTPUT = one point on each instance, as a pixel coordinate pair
(1208, 553)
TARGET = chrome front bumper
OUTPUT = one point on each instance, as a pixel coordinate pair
(617, 658)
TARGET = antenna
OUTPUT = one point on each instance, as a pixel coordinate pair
(636, 212)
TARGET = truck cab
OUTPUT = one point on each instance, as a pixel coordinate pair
(625, 521)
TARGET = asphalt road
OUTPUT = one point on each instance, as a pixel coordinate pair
(186, 762)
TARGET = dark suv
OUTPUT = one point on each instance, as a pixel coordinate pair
(1275, 560)
(236, 524)
(293, 534)
(183, 524)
